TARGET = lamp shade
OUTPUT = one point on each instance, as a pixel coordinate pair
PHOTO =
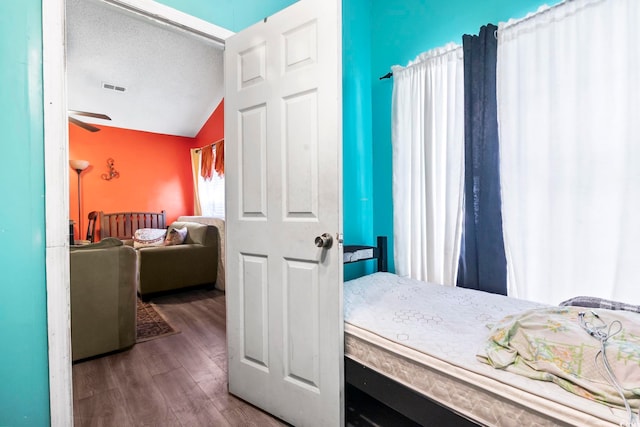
(79, 164)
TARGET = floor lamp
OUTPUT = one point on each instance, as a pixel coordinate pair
(79, 166)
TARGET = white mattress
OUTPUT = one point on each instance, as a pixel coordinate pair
(426, 336)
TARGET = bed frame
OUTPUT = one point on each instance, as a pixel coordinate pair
(122, 225)
(398, 397)
(354, 253)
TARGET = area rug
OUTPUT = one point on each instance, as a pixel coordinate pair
(151, 323)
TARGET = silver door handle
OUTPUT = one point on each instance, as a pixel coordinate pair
(324, 241)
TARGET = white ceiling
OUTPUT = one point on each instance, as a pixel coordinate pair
(173, 79)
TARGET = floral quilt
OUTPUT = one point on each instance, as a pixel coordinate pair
(549, 344)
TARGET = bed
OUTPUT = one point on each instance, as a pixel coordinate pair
(420, 358)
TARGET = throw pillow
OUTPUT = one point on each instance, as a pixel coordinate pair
(144, 237)
(176, 236)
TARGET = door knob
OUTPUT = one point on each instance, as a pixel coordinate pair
(324, 241)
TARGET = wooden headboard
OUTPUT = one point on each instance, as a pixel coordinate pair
(122, 225)
(353, 253)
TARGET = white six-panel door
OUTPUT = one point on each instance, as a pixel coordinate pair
(283, 137)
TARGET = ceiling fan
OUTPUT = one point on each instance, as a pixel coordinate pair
(84, 125)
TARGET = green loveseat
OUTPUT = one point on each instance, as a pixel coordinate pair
(103, 297)
(192, 263)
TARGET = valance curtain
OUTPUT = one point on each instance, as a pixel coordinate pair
(212, 159)
(218, 164)
(207, 161)
(569, 114)
(482, 260)
(427, 137)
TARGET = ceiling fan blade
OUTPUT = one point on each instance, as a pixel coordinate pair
(83, 125)
(87, 114)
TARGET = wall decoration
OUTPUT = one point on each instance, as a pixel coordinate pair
(113, 173)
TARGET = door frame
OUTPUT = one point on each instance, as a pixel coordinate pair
(56, 158)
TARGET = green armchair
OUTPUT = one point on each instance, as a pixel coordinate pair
(192, 263)
(103, 298)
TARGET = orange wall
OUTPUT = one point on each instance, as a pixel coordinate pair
(155, 172)
(213, 129)
(155, 169)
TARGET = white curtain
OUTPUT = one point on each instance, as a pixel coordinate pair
(195, 172)
(209, 196)
(569, 123)
(428, 165)
(212, 196)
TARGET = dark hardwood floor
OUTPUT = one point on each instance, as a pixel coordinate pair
(181, 379)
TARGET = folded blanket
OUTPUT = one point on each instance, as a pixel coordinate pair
(594, 302)
(549, 344)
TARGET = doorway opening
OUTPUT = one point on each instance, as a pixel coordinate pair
(57, 174)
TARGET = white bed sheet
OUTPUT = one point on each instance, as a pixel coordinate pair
(426, 336)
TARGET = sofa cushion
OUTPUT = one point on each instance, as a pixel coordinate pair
(196, 233)
(175, 236)
(103, 284)
(174, 267)
(218, 224)
(144, 237)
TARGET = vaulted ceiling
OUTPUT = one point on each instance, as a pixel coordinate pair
(145, 75)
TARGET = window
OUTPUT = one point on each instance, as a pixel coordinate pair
(211, 193)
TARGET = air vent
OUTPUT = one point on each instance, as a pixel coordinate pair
(110, 86)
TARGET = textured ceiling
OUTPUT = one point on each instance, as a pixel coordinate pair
(173, 79)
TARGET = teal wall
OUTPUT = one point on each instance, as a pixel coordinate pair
(233, 15)
(402, 29)
(357, 146)
(384, 33)
(24, 385)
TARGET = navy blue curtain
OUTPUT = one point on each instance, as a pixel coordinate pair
(482, 263)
